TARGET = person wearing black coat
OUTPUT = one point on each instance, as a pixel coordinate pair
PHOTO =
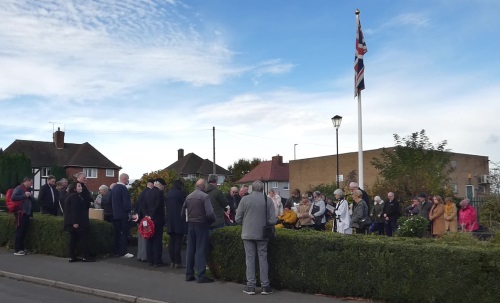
(391, 214)
(176, 222)
(154, 208)
(48, 197)
(76, 222)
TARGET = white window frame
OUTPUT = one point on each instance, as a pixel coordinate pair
(91, 173)
(286, 185)
(275, 184)
(110, 172)
(45, 172)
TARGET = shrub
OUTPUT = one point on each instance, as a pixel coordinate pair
(413, 226)
(382, 268)
(47, 236)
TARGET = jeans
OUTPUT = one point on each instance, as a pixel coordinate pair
(259, 246)
(197, 248)
(22, 223)
(122, 229)
(390, 227)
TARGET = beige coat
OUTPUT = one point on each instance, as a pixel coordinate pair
(450, 221)
(436, 216)
(303, 215)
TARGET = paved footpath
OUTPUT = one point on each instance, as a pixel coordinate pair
(128, 280)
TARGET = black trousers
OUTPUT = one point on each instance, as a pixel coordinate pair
(174, 248)
(154, 246)
(122, 229)
(79, 243)
(22, 224)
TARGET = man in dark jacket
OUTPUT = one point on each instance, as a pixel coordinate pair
(176, 222)
(122, 214)
(153, 207)
(49, 197)
(355, 186)
(107, 205)
(218, 200)
(22, 217)
(391, 214)
(200, 216)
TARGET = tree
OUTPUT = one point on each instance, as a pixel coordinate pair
(58, 171)
(414, 165)
(13, 168)
(242, 167)
(495, 178)
(168, 175)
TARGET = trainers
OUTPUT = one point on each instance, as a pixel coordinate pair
(266, 290)
(249, 290)
(20, 253)
(128, 256)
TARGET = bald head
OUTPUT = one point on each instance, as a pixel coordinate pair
(201, 184)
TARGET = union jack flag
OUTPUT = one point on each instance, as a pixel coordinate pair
(359, 67)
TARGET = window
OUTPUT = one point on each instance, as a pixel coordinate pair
(275, 184)
(286, 185)
(45, 172)
(454, 187)
(110, 172)
(454, 164)
(90, 172)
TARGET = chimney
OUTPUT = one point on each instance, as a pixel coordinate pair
(58, 137)
(277, 159)
(180, 153)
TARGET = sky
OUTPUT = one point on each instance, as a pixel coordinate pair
(140, 79)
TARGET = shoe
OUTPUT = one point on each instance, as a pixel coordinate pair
(249, 290)
(128, 256)
(172, 265)
(205, 280)
(88, 260)
(266, 290)
(20, 253)
(189, 279)
(177, 266)
(74, 260)
(160, 264)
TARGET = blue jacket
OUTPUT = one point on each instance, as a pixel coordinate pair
(18, 195)
(120, 200)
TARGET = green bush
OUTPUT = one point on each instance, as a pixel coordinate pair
(46, 235)
(393, 269)
(413, 226)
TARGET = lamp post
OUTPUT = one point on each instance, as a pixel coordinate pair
(336, 120)
(294, 154)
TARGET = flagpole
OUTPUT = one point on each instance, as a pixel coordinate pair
(360, 128)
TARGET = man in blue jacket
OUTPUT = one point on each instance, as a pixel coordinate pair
(22, 216)
(122, 214)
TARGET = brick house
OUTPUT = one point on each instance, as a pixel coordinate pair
(193, 167)
(274, 174)
(469, 177)
(73, 157)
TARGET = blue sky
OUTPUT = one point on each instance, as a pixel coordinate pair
(139, 79)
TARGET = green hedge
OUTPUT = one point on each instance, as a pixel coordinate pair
(390, 269)
(46, 235)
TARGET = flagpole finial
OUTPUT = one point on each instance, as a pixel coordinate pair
(357, 12)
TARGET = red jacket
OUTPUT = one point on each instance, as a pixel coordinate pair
(468, 219)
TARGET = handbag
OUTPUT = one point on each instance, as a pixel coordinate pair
(268, 229)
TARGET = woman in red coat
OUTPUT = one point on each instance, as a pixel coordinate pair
(467, 217)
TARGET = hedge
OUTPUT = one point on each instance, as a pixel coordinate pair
(46, 235)
(382, 268)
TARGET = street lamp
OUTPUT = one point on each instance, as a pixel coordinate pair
(336, 120)
(294, 155)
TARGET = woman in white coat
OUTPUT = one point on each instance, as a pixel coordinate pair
(342, 213)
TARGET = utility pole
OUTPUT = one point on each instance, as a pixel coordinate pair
(213, 135)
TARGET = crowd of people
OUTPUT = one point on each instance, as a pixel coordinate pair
(207, 208)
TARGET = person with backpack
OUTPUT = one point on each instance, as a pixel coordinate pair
(23, 214)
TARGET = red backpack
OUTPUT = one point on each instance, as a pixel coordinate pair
(12, 206)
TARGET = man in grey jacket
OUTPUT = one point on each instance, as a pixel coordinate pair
(251, 213)
(200, 215)
(22, 216)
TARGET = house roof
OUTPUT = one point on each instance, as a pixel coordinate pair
(192, 164)
(45, 154)
(274, 170)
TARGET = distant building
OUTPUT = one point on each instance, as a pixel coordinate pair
(192, 166)
(274, 174)
(469, 177)
(73, 157)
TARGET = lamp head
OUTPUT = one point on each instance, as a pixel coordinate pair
(336, 120)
